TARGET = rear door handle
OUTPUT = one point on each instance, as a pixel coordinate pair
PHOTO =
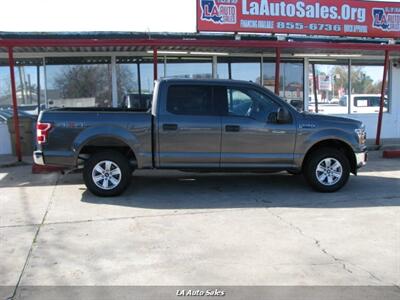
(170, 127)
(232, 128)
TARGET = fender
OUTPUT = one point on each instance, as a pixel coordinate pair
(106, 131)
(302, 147)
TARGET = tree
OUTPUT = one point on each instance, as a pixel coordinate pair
(85, 81)
(88, 81)
(127, 80)
(361, 83)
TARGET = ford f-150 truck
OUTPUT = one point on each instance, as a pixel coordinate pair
(201, 125)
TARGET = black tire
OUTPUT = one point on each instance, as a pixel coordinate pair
(314, 160)
(123, 179)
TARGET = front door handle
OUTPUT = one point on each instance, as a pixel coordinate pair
(278, 131)
(170, 127)
(232, 128)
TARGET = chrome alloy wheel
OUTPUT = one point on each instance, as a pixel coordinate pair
(329, 171)
(106, 175)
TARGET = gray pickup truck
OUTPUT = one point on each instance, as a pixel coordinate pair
(203, 126)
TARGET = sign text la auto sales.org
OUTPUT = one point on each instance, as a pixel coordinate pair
(314, 17)
(302, 10)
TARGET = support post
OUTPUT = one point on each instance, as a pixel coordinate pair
(306, 84)
(155, 61)
(315, 87)
(214, 67)
(165, 67)
(277, 70)
(349, 87)
(114, 84)
(262, 70)
(46, 100)
(38, 87)
(382, 102)
(15, 104)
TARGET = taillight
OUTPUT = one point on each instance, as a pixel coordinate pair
(42, 131)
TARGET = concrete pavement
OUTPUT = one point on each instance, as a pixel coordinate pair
(173, 228)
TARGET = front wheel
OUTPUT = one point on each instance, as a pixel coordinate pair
(327, 170)
(107, 174)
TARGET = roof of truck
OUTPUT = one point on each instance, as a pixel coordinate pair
(206, 80)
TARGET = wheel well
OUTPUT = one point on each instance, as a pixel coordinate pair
(106, 144)
(336, 144)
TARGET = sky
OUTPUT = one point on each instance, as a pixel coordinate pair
(99, 15)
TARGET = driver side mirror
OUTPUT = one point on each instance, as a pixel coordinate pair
(283, 116)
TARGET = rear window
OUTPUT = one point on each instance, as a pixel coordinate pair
(190, 100)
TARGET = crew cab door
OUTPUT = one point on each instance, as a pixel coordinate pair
(189, 127)
(251, 137)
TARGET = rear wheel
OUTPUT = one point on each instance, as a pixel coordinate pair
(327, 170)
(107, 174)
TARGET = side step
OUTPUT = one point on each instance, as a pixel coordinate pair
(40, 169)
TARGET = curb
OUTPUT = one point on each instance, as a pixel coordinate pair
(391, 154)
(14, 164)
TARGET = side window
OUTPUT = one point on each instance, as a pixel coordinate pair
(250, 103)
(239, 103)
(190, 100)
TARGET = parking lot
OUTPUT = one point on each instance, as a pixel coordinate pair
(173, 228)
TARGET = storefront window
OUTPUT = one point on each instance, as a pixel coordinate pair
(5, 85)
(239, 68)
(331, 87)
(29, 81)
(135, 81)
(269, 76)
(366, 85)
(147, 75)
(334, 89)
(248, 69)
(291, 81)
(223, 70)
(127, 78)
(79, 82)
(189, 67)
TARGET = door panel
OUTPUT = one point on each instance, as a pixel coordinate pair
(255, 142)
(189, 131)
(195, 142)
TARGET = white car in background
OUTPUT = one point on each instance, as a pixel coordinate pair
(364, 103)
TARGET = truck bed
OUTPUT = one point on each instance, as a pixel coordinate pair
(72, 129)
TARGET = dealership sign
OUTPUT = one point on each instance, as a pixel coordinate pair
(324, 17)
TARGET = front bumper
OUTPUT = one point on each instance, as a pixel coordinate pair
(361, 159)
(38, 158)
